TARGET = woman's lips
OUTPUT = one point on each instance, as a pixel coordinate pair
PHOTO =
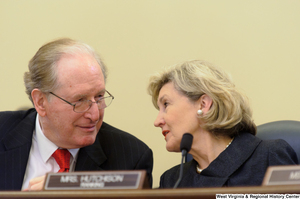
(165, 133)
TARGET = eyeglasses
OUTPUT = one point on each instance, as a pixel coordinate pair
(83, 106)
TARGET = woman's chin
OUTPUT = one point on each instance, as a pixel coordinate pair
(172, 149)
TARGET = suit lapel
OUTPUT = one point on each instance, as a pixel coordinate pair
(17, 144)
(90, 157)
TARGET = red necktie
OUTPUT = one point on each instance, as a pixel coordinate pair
(62, 157)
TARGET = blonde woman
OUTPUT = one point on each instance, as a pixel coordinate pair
(201, 99)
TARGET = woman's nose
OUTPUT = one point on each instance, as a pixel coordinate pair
(159, 121)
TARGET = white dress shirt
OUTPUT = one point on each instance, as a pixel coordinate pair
(40, 159)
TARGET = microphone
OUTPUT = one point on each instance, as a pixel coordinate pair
(185, 147)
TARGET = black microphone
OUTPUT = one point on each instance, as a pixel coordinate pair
(185, 147)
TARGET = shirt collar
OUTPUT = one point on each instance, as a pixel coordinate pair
(46, 147)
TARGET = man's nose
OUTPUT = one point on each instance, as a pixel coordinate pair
(93, 112)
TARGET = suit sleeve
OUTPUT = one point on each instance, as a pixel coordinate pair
(282, 154)
(146, 162)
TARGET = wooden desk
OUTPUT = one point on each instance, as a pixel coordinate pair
(191, 193)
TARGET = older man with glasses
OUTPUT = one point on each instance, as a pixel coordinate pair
(65, 130)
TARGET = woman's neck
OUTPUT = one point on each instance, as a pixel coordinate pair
(207, 147)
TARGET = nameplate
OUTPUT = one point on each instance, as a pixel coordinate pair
(282, 175)
(135, 179)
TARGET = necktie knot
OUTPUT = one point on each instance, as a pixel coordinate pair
(62, 157)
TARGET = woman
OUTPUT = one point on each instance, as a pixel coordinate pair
(200, 99)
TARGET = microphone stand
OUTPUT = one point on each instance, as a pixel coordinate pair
(185, 147)
(181, 169)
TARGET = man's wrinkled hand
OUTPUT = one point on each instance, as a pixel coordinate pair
(36, 184)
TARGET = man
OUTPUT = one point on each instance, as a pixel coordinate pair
(66, 84)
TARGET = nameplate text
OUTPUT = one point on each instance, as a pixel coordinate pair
(95, 180)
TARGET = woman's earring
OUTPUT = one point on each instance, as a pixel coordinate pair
(199, 112)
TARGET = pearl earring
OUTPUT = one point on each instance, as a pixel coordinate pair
(199, 112)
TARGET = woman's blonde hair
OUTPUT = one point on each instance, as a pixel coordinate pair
(230, 112)
(42, 72)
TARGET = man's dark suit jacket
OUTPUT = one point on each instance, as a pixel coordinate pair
(113, 150)
(243, 163)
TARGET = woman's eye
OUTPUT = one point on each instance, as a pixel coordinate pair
(166, 104)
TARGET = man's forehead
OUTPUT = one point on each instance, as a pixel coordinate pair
(78, 63)
(79, 71)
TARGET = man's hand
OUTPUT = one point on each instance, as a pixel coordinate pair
(36, 184)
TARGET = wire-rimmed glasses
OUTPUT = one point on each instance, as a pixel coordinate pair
(85, 105)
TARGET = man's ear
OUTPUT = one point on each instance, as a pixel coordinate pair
(205, 103)
(39, 100)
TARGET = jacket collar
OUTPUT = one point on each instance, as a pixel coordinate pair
(91, 157)
(219, 170)
(22, 133)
